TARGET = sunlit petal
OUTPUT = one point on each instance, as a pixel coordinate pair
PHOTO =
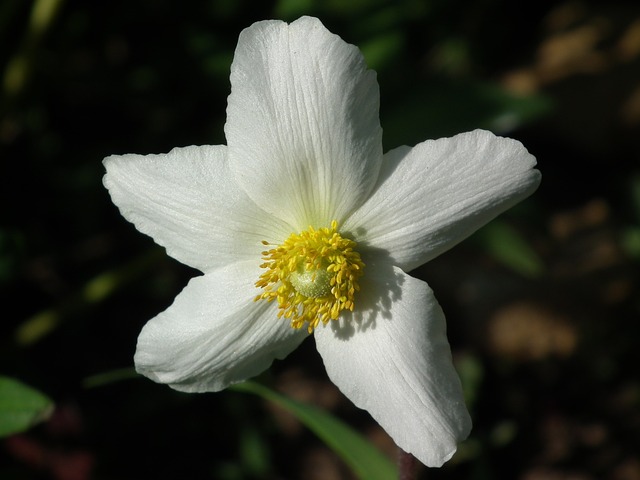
(392, 359)
(302, 122)
(432, 196)
(214, 334)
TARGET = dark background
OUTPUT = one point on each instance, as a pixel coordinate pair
(543, 305)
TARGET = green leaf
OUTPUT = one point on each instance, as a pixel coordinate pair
(363, 458)
(471, 373)
(631, 241)
(444, 108)
(290, 9)
(507, 246)
(95, 291)
(21, 406)
(109, 377)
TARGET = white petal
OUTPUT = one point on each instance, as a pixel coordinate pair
(434, 195)
(393, 360)
(214, 334)
(302, 122)
(188, 202)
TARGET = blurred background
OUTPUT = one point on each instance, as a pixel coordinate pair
(543, 304)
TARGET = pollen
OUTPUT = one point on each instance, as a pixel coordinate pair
(313, 275)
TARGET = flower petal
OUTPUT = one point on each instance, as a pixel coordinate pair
(188, 202)
(302, 122)
(214, 334)
(393, 360)
(434, 195)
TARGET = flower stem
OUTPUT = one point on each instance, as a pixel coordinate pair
(406, 466)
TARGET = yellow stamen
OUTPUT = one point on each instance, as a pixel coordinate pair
(313, 275)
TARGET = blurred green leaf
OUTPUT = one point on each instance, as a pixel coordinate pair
(507, 246)
(503, 433)
(112, 376)
(362, 457)
(11, 249)
(631, 241)
(292, 8)
(254, 452)
(18, 69)
(444, 108)
(635, 194)
(21, 406)
(471, 373)
(342, 8)
(380, 50)
(95, 291)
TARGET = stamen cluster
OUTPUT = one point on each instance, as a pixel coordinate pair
(313, 275)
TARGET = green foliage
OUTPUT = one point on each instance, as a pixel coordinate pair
(94, 292)
(510, 248)
(444, 108)
(631, 241)
(21, 406)
(471, 373)
(362, 457)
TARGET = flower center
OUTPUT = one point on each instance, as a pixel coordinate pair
(313, 275)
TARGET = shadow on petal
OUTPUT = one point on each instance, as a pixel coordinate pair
(380, 287)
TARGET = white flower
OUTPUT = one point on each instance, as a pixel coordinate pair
(304, 174)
